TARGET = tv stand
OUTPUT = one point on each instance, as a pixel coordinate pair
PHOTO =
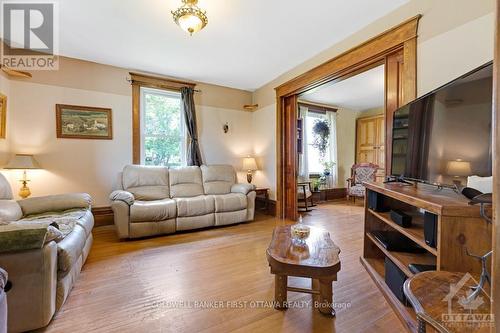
(460, 228)
(399, 179)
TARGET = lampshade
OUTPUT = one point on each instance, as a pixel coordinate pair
(23, 162)
(458, 168)
(249, 164)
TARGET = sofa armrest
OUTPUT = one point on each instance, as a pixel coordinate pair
(121, 218)
(54, 203)
(33, 275)
(120, 195)
(242, 188)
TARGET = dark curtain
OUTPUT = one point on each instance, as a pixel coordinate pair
(193, 151)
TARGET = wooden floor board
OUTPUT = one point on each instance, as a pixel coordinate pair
(151, 285)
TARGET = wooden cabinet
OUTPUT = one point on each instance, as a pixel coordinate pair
(370, 142)
(459, 227)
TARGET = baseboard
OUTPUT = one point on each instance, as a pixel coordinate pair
(102, 216)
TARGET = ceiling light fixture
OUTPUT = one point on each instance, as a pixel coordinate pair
(190, 17)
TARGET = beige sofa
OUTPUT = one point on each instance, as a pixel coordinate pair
(157, 200)
(43, 277)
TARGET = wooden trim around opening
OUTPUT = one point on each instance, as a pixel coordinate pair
(401, 38)
(142, 80)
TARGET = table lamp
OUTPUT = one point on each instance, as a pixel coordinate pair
(249, 165)
(23, 162)
(458, 169)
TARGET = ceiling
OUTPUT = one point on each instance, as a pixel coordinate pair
(245, 45)
(360, 92)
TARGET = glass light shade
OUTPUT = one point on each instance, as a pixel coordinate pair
(249, 164)
(190, 23)
(458, 168)
(189, 17)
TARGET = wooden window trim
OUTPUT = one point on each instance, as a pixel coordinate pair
(138, 81)
(317, 107)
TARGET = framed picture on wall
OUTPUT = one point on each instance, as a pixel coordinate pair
(3, 116)
(83, 122)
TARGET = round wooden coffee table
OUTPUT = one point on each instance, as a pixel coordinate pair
(317, 258)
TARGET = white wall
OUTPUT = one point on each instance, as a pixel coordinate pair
(346, 144)
(225, 148)
(264, 146)
(69, 165)
(77, 165)
(455, 36)
(447, 56)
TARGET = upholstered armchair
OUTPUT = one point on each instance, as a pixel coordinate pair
(362, 172)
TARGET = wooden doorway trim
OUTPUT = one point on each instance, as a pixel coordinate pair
(399, 41)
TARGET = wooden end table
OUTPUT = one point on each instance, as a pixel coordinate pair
(437, 297)
(263, 194)
(317, 259)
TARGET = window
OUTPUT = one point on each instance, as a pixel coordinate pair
(313, 161)
(163, 135)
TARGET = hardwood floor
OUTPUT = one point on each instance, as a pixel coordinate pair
(151, 285)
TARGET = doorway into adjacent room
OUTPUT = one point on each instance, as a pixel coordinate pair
(340, 138)
(395, 48)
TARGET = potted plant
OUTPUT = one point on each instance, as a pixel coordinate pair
(315, 184)
(321, 135)
(328, 167)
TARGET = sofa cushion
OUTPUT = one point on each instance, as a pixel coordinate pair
(86, 222)
(194, 222)
(152, 211)
(146, 182)
(149, 192)
(10, 211)
(230, 202)
(55, 203)
(195, 206)
(226, 218)
(218, 179)
(185, 182)
(70, 249)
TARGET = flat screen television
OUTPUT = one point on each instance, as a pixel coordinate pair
(445, 136)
